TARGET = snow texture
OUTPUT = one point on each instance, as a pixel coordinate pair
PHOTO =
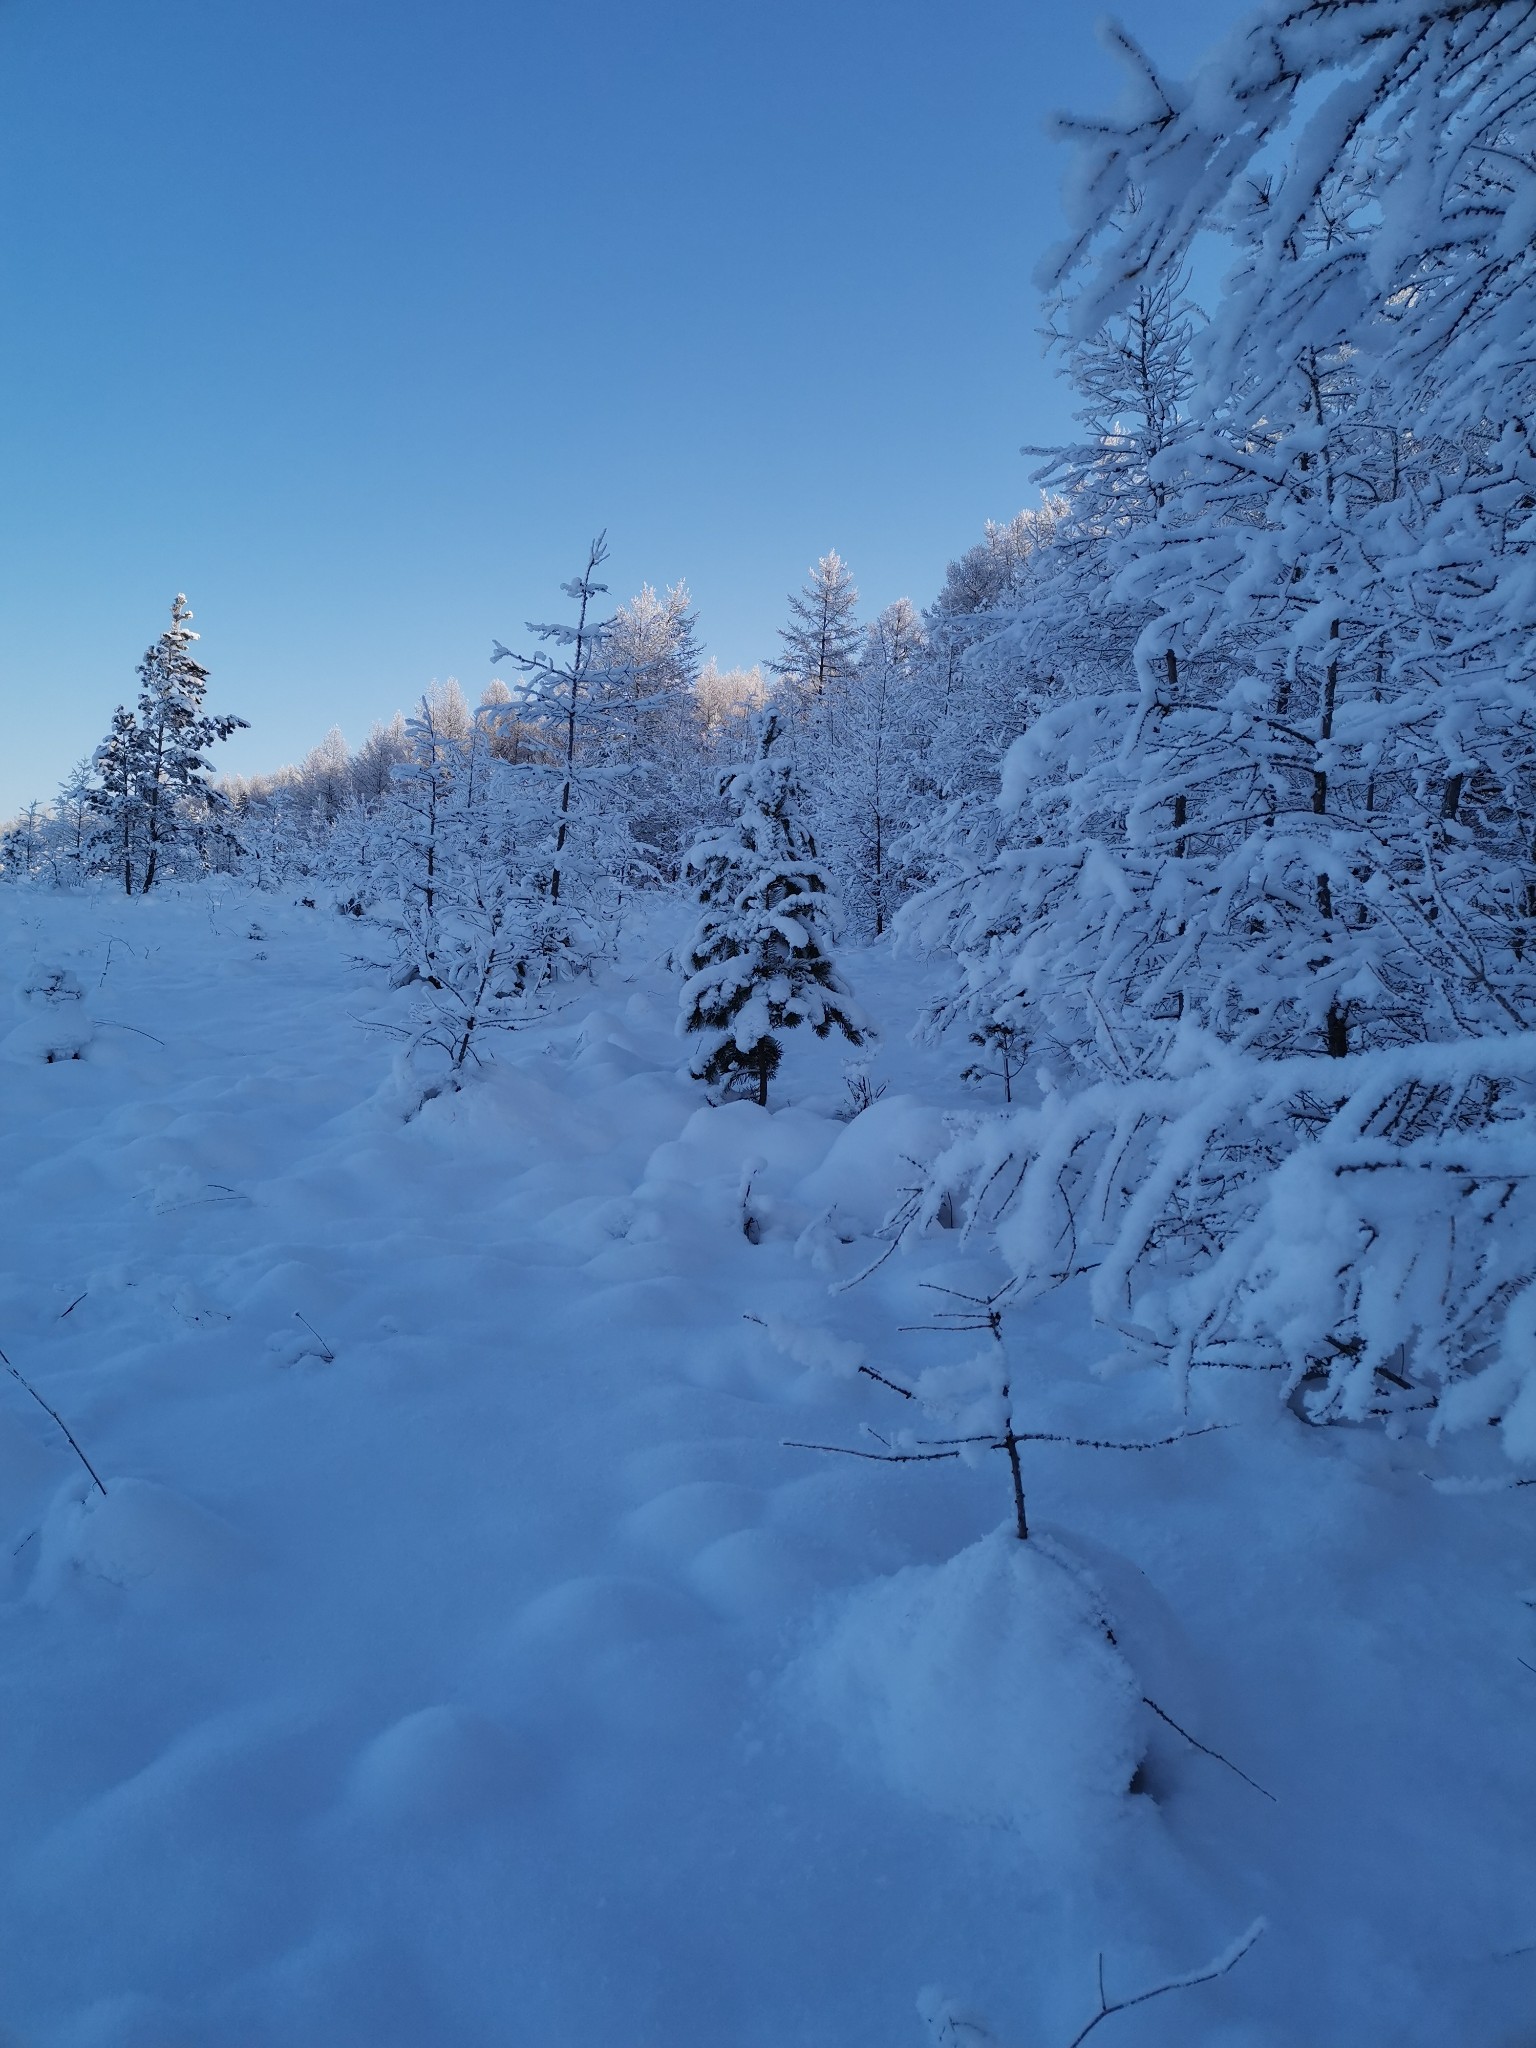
(473, 1660)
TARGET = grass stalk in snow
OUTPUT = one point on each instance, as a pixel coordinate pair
(57, 1417)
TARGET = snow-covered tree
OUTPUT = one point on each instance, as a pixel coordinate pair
(1335, 618)
(761, 958)
(374, 763)
(578, 714)
(653, 662)
(478, 954)
(153, 796)
(821, 646)
(424, 824)
(723, 699)
(1276, 975)
(865, 793)
(325, 777)
(70, 830)
(23, 843)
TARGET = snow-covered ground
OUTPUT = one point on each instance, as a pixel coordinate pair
(471, 1662)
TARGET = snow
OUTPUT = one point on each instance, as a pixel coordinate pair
(472, 1661)
(987, 1688)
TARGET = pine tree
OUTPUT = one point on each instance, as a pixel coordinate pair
(760, 960)
(154, 794)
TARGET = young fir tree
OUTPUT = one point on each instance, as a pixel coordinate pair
(761, 959)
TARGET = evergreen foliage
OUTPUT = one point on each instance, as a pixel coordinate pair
(156, 805)
(761, 960)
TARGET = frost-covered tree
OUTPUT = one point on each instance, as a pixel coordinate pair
(653, 662)
(70, 829)
(374, 762)
(23, 843)
(325, 779)
(566, 700)
(579, 715)
(510, 737)
(723, 699)
(1264, 894)
(985, 669)
(761, 958)
(422, 818)
(154, 796)
(821, 645)
(865, 797)
(478, 954)
(1345, 540)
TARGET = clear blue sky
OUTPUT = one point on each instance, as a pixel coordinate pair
(356, 318)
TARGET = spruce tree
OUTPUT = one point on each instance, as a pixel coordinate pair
(760, 960)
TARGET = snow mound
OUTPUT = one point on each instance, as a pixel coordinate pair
(606, 1610)
(134, 1532)
(986, 1688)
(439, 1764)
(875, 1158)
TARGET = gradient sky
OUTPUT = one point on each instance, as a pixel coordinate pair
(355, 319)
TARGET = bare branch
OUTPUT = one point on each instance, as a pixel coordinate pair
(1218, 1968)
(1214, 1754)
(876, 1457)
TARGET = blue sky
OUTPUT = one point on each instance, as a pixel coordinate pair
(356, 318)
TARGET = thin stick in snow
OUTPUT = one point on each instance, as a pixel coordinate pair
(325, 1350)
(111, 1024)
(1215, 1754)
(58, 1418)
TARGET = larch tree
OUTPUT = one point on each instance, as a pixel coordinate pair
(866, 792)
(577, 716)
(653, 662)
(1269, 891)
(821, 646)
